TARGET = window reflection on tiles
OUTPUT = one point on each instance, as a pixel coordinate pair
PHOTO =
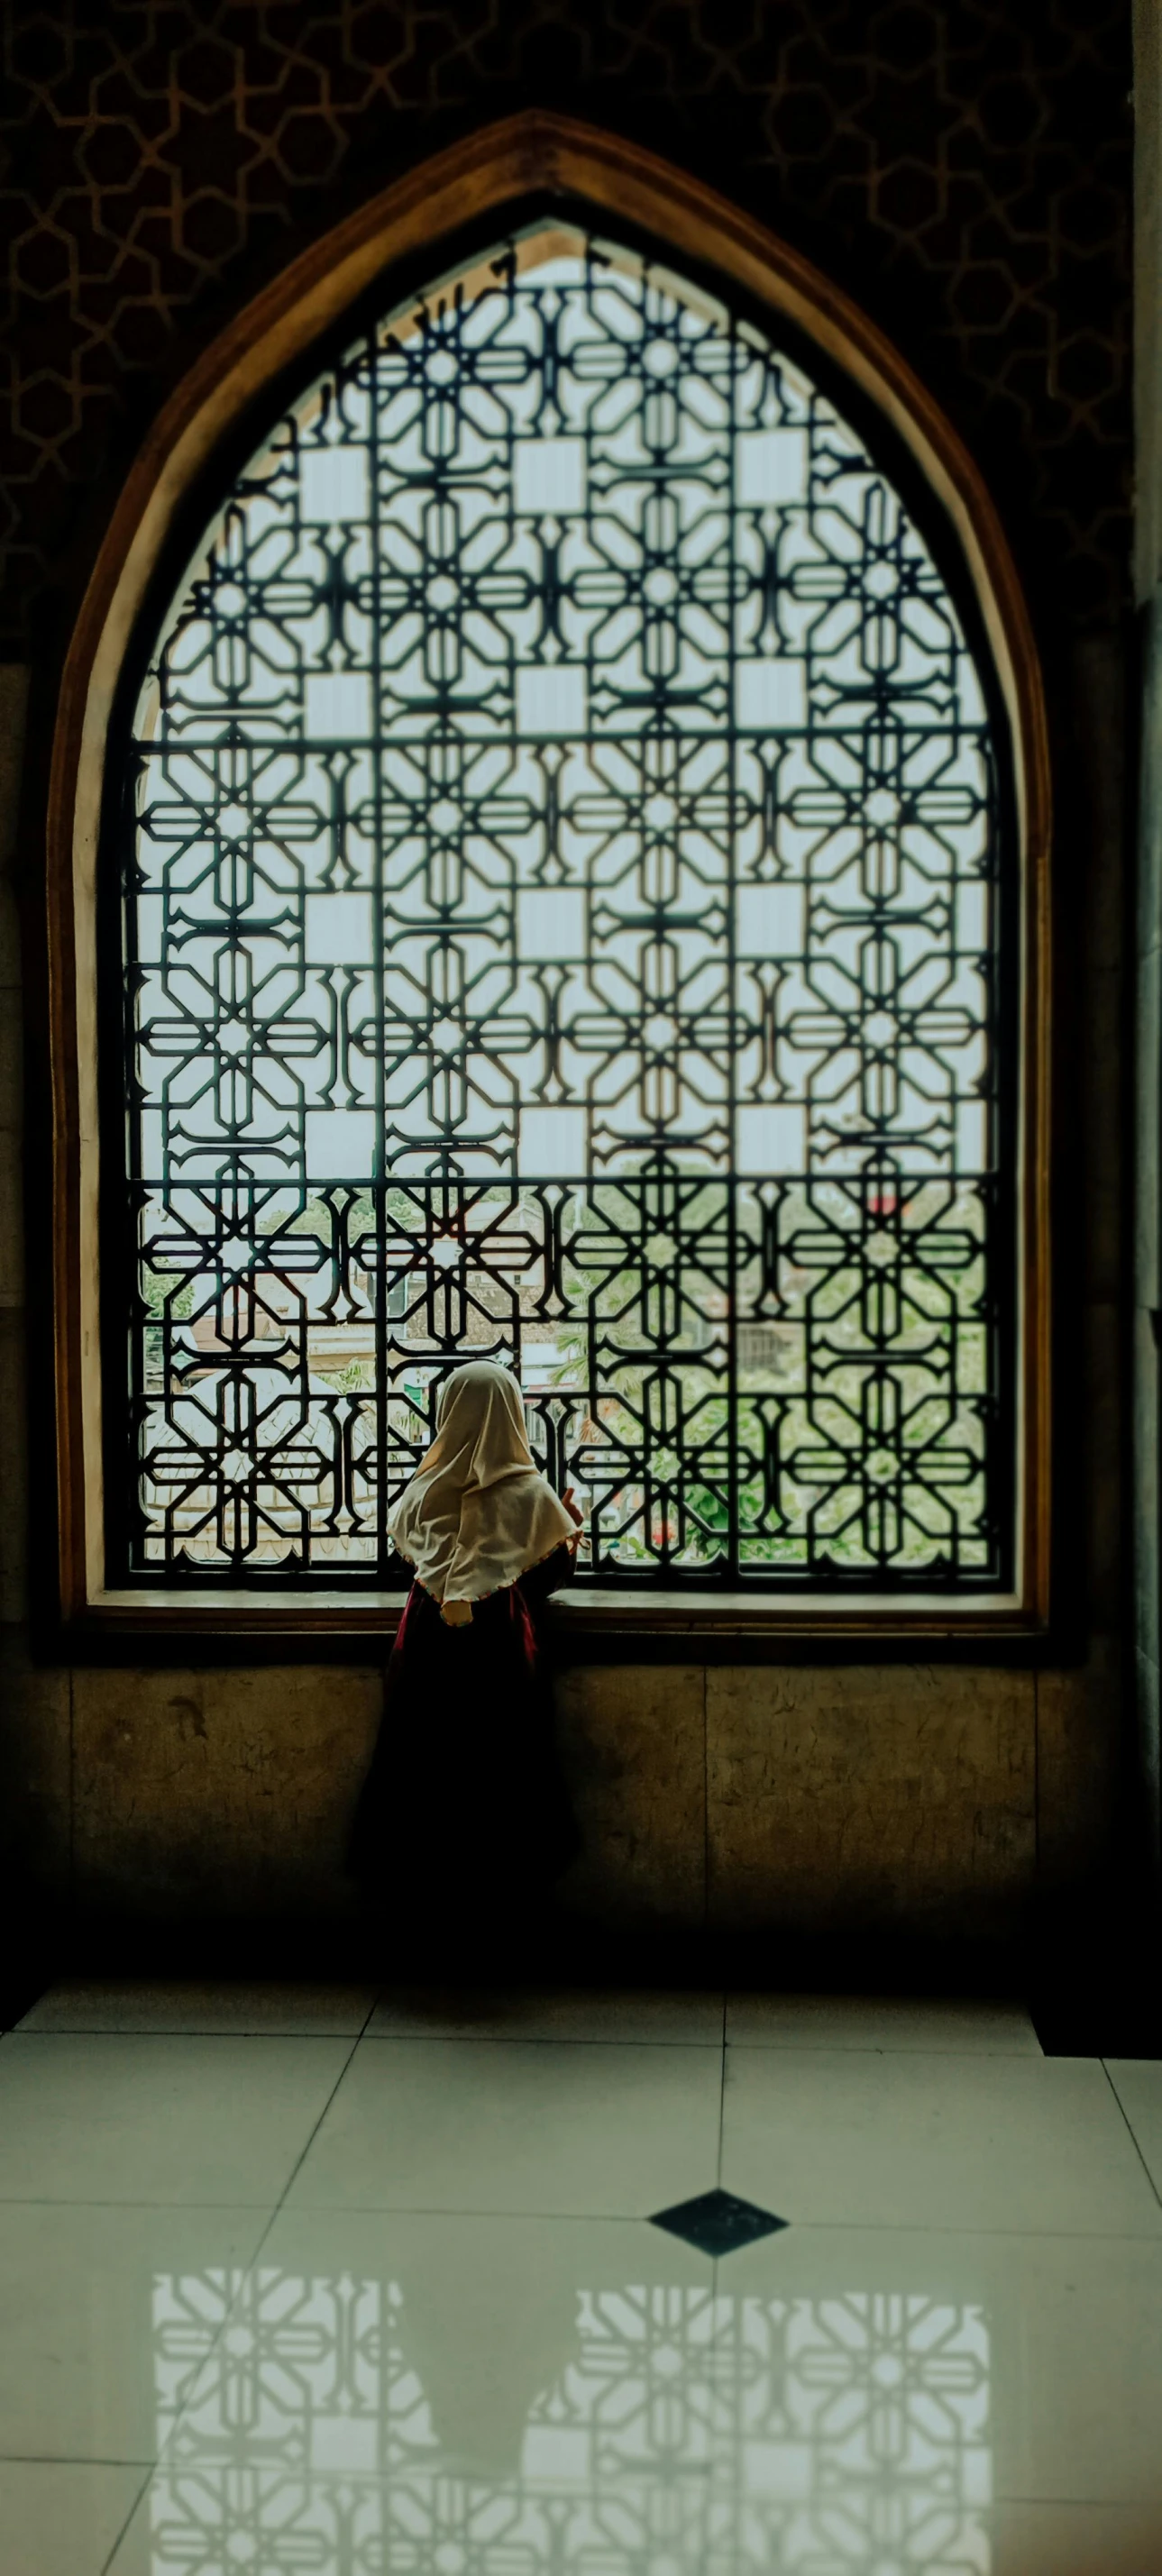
(681, 2429)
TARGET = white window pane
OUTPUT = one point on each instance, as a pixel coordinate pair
(152, 1160)
(552, 1142)
(150, 925)
(550, 477)
(339, 929)
(772, 1138)
(551, 921)
(551, 701)
(338, 705)
(971, 1136)
(770, 921)
(972, 916)
(969, 693)
(772, 466)
(340, 1144)
(333, 483)
(771, 694)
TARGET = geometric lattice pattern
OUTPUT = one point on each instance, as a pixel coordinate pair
(964, 163)
(563, 902)
(697, 2434)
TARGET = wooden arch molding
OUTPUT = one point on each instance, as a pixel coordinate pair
(533, 155)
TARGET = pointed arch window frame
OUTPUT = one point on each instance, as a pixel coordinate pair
(498, 175)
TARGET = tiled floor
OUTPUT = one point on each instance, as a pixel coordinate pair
(324, 2283)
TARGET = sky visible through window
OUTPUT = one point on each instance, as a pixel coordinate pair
(561, 906)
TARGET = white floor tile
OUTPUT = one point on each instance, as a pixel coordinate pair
(286, 2011)
(614, 2129)
(879, 2022)
(489, 2315)
(973, 2275)
(522, 2380)
(85, 2294)
(837, 2137)
(158, 2119)
(415, 2385)
(1074, 2540)
(564, 2013)
(61, 2518)
(424, 2518)
(1045, 2352)
(1137, 2082)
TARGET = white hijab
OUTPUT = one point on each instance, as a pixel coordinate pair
(477, 1512)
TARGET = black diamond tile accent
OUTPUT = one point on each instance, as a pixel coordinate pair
(717, 2223)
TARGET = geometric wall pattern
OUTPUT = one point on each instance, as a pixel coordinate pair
(961, 165)
(563, 885)
(689, 2432)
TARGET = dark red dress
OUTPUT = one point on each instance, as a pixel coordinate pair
(464, 1820)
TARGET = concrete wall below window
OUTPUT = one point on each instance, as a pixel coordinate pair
(900, 1798)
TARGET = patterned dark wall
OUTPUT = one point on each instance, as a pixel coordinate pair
(964, 168)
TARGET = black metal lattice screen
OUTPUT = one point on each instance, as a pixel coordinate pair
(561, 923)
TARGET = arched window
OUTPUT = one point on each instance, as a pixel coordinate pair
(564, 826)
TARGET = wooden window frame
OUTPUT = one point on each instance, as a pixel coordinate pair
(546, 158)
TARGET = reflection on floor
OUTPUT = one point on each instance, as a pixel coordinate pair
(315, 2284)
(674, 2428)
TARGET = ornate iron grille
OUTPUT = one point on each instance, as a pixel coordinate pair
(562, 913)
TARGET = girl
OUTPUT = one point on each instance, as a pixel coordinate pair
(464, 1813)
